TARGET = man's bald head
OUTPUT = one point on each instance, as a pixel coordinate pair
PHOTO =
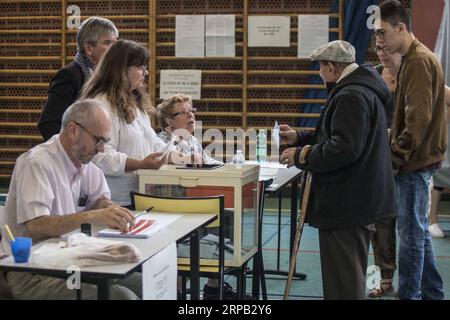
(89, 113)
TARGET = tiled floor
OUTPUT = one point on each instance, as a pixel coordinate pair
(309, 260)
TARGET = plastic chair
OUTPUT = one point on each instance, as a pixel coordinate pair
(194, 205)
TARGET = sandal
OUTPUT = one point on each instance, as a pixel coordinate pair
(385, 287)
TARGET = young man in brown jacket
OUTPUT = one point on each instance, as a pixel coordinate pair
(418, 144)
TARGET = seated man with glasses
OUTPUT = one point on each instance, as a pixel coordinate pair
(55, 188)
(99, 141)
(94, 38)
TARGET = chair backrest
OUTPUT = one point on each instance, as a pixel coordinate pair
(213, 204)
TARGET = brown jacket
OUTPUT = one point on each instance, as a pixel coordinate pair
(419, 128)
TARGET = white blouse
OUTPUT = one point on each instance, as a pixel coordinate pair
(135, 140)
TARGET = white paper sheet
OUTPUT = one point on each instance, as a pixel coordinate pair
(268, 165)
(190, 36)
(161, 221)
(144, 228)
(159, 275)
(220, 36)
(313, 31)
(269, 31)
(180, 82)
(276, 135)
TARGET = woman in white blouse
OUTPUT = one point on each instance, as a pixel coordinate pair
(118, 81)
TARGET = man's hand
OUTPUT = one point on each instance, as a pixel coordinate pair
(287, 157)
(288, 135)
(152, 162)
(113, 217)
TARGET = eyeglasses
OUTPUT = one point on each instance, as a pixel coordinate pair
(193, 111)
(140, 68)
(380, 33)
(378, 49)
(107, 43)
(99, 141)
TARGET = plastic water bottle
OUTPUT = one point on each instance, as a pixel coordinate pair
(239, 158)
(261, 146)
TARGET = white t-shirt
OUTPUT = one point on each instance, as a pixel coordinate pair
(135, 140)
(45, 182)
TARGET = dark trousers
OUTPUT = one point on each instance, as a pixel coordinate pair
(343, 256)
(383, 243)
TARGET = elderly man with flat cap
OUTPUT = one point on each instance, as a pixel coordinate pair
(348, 155)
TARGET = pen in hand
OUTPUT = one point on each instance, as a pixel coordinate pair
(143, 212)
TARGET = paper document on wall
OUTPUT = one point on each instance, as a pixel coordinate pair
(313, 31)
(269, 31)
(159, 275)
(220, 36)
(174, 82)
(190, 36)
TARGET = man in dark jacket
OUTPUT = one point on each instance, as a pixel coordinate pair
(93, 39)
(348, 155)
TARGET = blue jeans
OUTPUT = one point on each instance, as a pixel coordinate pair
(418, 274)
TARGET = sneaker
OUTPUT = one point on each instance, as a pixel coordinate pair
(212, 293)
(436, 231)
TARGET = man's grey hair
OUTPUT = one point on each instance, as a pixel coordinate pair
(339, 65)
(92, 29)
(342, 65)
(82, 112)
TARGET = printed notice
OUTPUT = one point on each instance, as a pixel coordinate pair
(180, 82)
(159, 275)
(313, 31)
(190, 36)
(220, 36)
(269, 31)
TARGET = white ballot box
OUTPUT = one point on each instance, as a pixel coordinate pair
(238, 184)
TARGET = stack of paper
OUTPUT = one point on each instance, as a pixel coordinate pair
(144, 228)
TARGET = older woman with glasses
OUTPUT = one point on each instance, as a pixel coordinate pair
(389, 67)
(119, 82)
(176, 117)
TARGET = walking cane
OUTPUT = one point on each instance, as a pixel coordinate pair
(304, 199)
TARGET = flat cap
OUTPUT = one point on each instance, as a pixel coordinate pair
(335, 51)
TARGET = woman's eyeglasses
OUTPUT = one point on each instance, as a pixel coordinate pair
(193, 111)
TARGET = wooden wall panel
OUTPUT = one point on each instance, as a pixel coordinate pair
(241, 92)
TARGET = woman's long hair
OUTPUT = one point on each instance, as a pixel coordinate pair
(110, 78)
